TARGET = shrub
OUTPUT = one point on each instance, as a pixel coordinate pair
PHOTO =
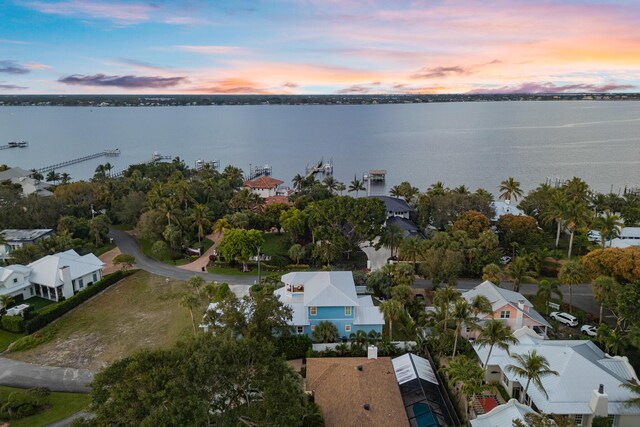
(13, 324)
(33, 340)
(52, 312)
(293, 346)
(23, 404)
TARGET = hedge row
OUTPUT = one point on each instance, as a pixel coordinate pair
(52, 312)
(13, 324)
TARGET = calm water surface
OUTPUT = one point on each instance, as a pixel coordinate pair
(476, 144)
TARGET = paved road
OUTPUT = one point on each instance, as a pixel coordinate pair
(582, 294)
(377, 257)
(26, 375)
(128, 245)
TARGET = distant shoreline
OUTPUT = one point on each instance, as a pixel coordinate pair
(222, 100)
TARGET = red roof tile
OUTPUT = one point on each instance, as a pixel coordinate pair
(263, 182)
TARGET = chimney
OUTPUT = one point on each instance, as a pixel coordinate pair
(67, 285)
(372, 352)
(599, 403)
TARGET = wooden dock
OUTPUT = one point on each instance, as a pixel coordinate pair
(258, 171)
(105, 153)
(375, 176)
(211, 164)
(14, 144)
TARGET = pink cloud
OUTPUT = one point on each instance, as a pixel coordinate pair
(546, 87)
(122, 13)
(212, 49)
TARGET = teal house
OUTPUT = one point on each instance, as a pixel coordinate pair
(328, 296)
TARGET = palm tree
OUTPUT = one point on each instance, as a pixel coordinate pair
(340, 187)
(492, 273)
(6, 301)
(571, 274)
(603, 288)
(577, 190)
(65, 178)
(325, 332)
(330, 182)
(480, 304)
(391, 310)
(191, 302)
(469, 376)
(534, 367)
(461, 189)
(410, 250)
(391, 237)
(443, 298)
(556, 211)
(510, 188)
(36, 175)
(577, 215)
(356, 185)
(167, 207)
(296, 252)
(359, 339)
(298, 182)
(546, 290)
(108, 167)
(437, 189)
(462, 314)
(608, 225)
(200, 217)
(635, 388)
(220, 225)
(196, 282)
(520, 271)
(495, 333)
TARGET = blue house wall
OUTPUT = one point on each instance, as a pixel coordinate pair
(337, 316)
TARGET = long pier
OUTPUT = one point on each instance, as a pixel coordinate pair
(107, 153)
(320, 167)
(258, 171)
(14, 144)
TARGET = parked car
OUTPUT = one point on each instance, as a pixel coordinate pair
(589, 330)
(594, 236)
(565, 318)
(505, 260)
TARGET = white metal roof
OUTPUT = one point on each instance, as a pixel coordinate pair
(502, 415)
(325, 288)
(45, 270)
(409, 367)
(12, 235)
(581, 365)
(504, 208)
(500, 297)
(630, 233)
(366, 313)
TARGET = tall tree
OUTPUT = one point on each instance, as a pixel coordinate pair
(357, 186)
(571, 274)
(493, 273)
(605, 289)
(510, 189)
(520, 271)
(546, 290)
(533, 367)
(577, 215)
(556, 211)
(191, 303)
(469, 376)
(200, 217)
(608, 225)
(391, 310)
(495, 333)
(391, 237)
(445, 298)
(462, 314)
(240, 244)
(410, 249)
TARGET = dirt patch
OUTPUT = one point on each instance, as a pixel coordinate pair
(107, 258)
(141, 312)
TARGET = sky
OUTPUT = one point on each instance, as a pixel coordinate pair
(319, 47)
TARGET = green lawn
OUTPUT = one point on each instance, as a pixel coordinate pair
(230, 271)
(7, 338)
(38, 303)
(104, 249)
(62, 405)
(276, 245)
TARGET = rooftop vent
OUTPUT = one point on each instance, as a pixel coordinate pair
(366, 406)
(601, 389)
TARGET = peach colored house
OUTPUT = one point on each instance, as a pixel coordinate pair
(509, 306)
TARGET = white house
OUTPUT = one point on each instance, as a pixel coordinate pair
(328, 296)
(504, 207)
(629, 236)
(52, 277)
(508, 306)
(503, 415)
(265, 186)
(28, 184)
(18, 238)
(589, 384)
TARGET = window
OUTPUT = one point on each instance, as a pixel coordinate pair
(300, 329)
(347, 311)
(313, 311)
(613, 420)
(578, 419)
(95, 277)
(313, 328)
(15, 280)
(347, 328)
(505, 380)
(80, 283)
(505, 314)
(31, 290)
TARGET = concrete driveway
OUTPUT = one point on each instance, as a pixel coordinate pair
(377, 257)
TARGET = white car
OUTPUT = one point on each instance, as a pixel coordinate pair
(505, 260)
(565, 318)
(589, 330)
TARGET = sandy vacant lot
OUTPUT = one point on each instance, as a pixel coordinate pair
(142, 311)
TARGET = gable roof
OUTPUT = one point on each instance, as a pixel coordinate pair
(581, 365)
(501, 208)
(45, 270)
(263, 182)
(325, 288)
(14, 173)
(502, 415)
(394, 204)
(341, 390)
(500, 297)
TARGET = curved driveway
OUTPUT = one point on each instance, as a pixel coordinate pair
(27, 375)
(128, 245)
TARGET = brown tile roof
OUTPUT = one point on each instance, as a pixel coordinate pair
(341, 390)
(277, 199)
(263, 182)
